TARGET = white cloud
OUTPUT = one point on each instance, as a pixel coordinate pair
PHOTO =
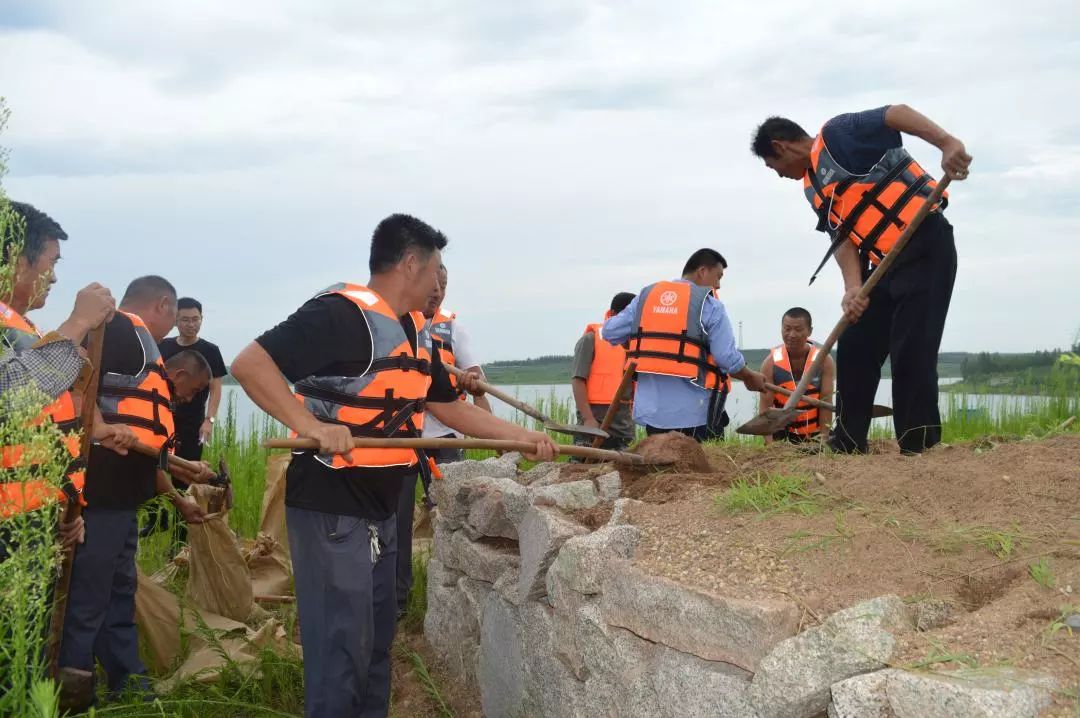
(569, 149)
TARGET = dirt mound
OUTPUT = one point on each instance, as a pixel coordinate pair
(991, 529)
(677, 451)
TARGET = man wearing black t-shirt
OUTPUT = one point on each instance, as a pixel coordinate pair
(865, 188)
(194, 419)
(340, 503)
(100, 619)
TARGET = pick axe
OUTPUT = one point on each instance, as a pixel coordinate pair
(774, 420)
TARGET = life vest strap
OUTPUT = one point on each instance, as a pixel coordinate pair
(140, 421)
(352, 400)
(128, 392)
(890, 214)
(840, 234)
(402, 362)
(699, 363)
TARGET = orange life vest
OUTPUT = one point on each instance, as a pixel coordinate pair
(807, 421)
(873, 209)
(385, 400)
(606, 370)
(17, 334)
(669, 338)
(142, 401)
(441, 328)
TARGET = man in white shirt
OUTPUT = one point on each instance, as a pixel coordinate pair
(451, 340)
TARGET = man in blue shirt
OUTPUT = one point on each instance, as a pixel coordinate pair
(683, 342)
(865, 188)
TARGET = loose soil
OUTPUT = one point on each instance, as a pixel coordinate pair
(959, 525)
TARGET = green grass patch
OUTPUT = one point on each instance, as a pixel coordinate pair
(772, 494)
(954, 538)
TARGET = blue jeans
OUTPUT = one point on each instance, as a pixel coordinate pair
(345, 597)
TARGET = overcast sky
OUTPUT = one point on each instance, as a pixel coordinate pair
(570, 150)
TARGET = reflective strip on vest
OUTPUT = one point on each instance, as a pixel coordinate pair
(807, 421)
(143, 401)
(606, 370)
(17, 495)
(387, 398)
(669, 339)
(873, 209)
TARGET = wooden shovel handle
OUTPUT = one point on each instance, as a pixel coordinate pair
(73, 509)
(867, 287)
(501, 395)
(806, 399)
(622, 457)
(613, 407)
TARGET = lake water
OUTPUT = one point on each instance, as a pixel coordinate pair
(742, 404)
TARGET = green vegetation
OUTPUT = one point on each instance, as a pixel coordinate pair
(772, 494)
(555, 369)
(1042, 574)
(1050, 373)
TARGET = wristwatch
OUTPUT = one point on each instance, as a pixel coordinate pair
(211, 419)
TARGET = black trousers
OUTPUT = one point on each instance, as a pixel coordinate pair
(904, 321)
(406, 507)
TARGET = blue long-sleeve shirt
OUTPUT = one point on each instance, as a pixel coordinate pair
(668, 402)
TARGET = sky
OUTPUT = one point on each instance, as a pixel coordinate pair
(568, 149)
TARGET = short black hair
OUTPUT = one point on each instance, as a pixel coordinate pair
(188, 303)
(621, 301)
(36, 229)
(800, 313)
(190, 361)
(703, 258)
(775, 128)
(147, 289)
(398, 234)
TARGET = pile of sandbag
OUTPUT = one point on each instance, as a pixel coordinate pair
(217, 619)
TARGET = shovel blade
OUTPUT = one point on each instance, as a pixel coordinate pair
(576, 430)
(772, 421)
(880, 411)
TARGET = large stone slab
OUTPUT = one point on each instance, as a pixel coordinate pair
(540, 536)
(497, 467)
(706, 625)
(439, 575)
(497, 508)
(540, 475)
(443, 625)
(474, 595)
(689, 687)
(569, 496)
(862, 696)
(551, 687)
(620, 513)
(501, 673)
(484, 560)
(582, 561)
(795, 679)
(983, 693)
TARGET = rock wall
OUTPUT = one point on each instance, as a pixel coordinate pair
(544, 617)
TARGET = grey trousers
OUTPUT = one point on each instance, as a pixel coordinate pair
(346, 602)
(100, 619)
(406, 507)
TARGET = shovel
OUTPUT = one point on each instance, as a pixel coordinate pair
(531, 411)
(613, 407)
(877, 412)
(76, 685)
(774, 420)
(586, 452)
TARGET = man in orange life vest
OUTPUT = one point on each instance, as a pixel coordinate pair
(134, 401)
(682, 340)
(864, 188)
(50, 363)
(784, 365)
(595, 376)
(453, 344)
(361, 360)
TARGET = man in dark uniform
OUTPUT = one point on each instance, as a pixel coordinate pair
(361, 361)
(865, 188)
